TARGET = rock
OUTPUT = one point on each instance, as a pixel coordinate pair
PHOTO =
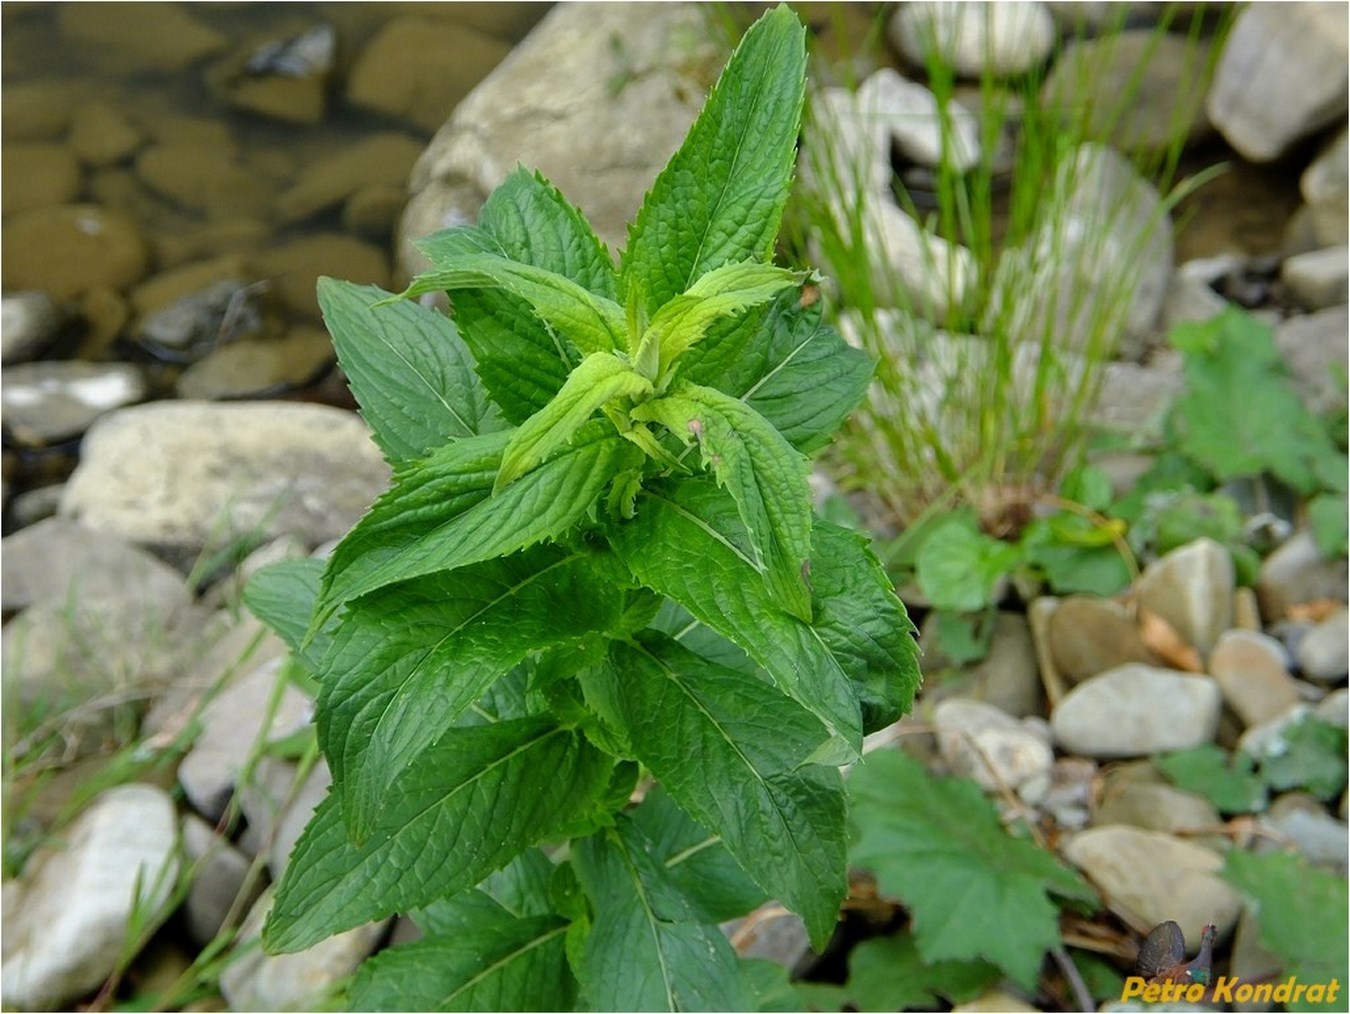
(772, 933)
(67, 250)
(994, 1000)
(1149, 877)
(1298, 817)
(1296, 573)
(30, 322)
(195, 325)
(1299, 57)
(372, 212)
(1324, 186)
(39, 175)
(1318, 279)
(1250, 962)
(1192, 589)
(1007, 677)
(383, 159)
(1155, 806)
(101, 134)
(1090, 635)
(552, 105)
(906, 114)
(1334, 709)
(1066, 795)
(66, 935)
(981, 742)
(1246, 610)
(1096, 267)
(1323, 655)
(1137, 89)
(974, 38)
(278, 809)
(301, 981)
(230, 722)
(1252, 671)
(1039, 614)
(259, 369)
(39, 110)
(403, 72)
(205, 179)
(1137, 709)
(145, 37)
(48, 402)
(34, 505)
(294, 266)
(219, 876)
(1314, 349)
(1191, 295)
(1268, 739)
(59, 560)
(285, 79)
(266, 468)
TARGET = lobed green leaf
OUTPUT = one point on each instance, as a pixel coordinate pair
(467, 806)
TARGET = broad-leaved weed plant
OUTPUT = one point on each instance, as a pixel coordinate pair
(596, 579)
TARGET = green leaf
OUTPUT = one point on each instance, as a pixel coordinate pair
(283, 596)
(592, 323)
(888, 974)
(467, 806)
(721, 197)
(520, 889)
(769, 986)
(404, 665)
(762, 472)
(1308, 754)
(687, 542)
(958, 566)
(726, 290)
(696, 862)
(1330, 524)
(1228, 783)
(440, 516)
(646, 950)
(408, 368)
(780, 816)
(1301, 913)
(601, 377)
(1076, 556)
(500, 963)
(972, 890)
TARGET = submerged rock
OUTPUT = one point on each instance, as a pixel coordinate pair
(67, 250)
(46, 403)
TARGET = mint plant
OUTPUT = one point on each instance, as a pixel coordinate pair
(597, 567)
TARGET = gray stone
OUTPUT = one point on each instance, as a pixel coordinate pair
(1314, 349)
(1192, 589)
(1007, 677)
(66, 935)
(29, 322)
(772, 933)
(179, 474)
(1039, 614)
(1137, 89)
(230, 723)
(219, 877)
(1150, 877)
(192, 325)
(553, 104)
(907, 115)
(981, 742)
(301, 981)
(1299, 818)
(46, 403)
(1066, 795)
(278, 808)
(1159, 807)
(1096, 267)
(1334, 709)
(34, 505)
(1324, 186)
(1298, 56)
(259, 368)
(1190, 293)
(1252, 671)
(1268, 738)
(1251, 962)
(974, 38)
(1135, 710)
(1323, 655)
(1295, 573)
(1319, 278)
(1090, 635)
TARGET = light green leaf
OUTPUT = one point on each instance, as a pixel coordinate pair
(726, 290)
(1227, 782)
(721, 196)
(770, 986)
(780, 816)
(687, 542)
(957, 566)
(405, 664)
(439, 515)
(1307, 754)
(646, 951)
(763, 474)
(283, 596)
(408, 368)
(1301, 913)
(519, 889)
(468, 806)
(592, 323)
(601, 377)
(888, 974)
(499, 963)
(973, 891)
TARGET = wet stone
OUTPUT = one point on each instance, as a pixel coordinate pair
(190, 327)
(101, 134)
(285, 79)
(48, 402)
(69, 249)
(159, 36)
(29, 322)
(383, 159)
(256, 369)
(38, 175)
